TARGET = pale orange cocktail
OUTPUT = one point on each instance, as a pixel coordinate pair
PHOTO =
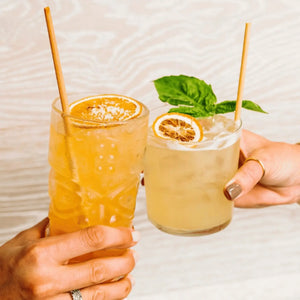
(184, 181)
(95, 156)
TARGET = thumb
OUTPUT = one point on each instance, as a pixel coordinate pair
(245, 179)
(33, 233)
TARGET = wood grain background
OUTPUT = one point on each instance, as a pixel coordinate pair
(121, 47)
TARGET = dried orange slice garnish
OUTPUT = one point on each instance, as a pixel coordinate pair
(106, 108)
(176, 126)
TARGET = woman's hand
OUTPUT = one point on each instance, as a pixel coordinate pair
(281, 182)
(35, 267)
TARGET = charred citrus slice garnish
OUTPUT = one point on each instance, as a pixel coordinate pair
(106, 108)
(176, 126)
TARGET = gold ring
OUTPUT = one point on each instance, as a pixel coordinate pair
(260, 163)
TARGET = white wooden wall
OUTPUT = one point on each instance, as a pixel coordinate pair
(115, 46)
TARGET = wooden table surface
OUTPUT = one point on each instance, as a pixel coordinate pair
(121, 47)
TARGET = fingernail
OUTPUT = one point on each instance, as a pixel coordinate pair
(135, 256)
(47, 231)
(135, 236)
(131, 279)
(117, 278)
(232, 191)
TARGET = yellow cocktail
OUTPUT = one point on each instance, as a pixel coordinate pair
(184, 181)
(95, 156)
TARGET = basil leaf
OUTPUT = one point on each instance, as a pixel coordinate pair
(186, 90)
(225, 107)
(247, 104)
(195, 111)
(194, 97)
(229, 106)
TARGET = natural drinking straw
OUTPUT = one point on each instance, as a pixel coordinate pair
(238, 107)
(56, 61)
(60, 83)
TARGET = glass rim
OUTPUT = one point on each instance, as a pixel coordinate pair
(145, 111)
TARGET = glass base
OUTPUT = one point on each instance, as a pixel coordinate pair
(191, 232)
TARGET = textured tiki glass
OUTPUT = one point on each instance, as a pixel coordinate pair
(95, 170)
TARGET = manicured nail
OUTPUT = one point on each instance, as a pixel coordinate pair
(232, 191)
(135, 236)
(131, 279)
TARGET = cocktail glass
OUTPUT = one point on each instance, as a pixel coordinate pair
(95, 169)
(184, 183)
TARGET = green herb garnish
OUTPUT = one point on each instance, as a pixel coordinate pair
(194, 97)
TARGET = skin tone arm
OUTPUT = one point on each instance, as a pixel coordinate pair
(281, 181)
(35, 267)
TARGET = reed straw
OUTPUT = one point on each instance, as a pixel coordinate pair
(61, 86)
(239, 100)
(56, 62)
